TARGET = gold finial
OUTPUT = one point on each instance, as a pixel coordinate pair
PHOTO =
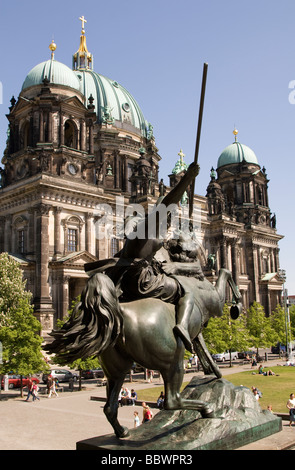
(83, 22)
(182, 155)
(82, 59)
(52, 47)
(83, 46)
(235, 133)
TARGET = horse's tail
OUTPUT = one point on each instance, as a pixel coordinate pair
(94, 325)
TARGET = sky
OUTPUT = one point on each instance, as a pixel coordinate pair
(156, 50)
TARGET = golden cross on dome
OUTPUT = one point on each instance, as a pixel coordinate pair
(181, 154)
(83, 21)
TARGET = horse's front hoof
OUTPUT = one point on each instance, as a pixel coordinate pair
(124, 432)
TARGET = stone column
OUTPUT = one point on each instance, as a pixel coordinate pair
(41, 126)
(31, 232)
(2, 233)
(125, 185)
(91, 143)
(277, 263)
(65, 297)
(255, 262)
(57, 227)
(42, 300)
(62, 129)
(88, 232)
(83, 135)
(8, 233)
(223, 252)
(50, 127)
(235, 271)
(117, 169)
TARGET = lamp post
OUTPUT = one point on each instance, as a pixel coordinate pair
(282, 274)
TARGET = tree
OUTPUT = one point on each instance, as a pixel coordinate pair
(19, 329)
(12, 287)
(292, 319)
(278, 323)
(223, 333)
(262, 335)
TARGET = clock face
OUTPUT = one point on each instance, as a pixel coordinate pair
(72, 169)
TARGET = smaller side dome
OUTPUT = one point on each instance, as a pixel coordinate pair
(56, 72)
(237, 153)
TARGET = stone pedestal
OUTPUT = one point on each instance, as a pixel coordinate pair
(238, 421)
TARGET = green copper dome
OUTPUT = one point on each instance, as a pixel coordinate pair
(236, 153)
(112, 103)
(56, 72)
(111, 100)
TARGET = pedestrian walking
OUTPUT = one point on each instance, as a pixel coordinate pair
(49, 383)
(30, 389)
(53, 389)
(291, 407)
(35, 391)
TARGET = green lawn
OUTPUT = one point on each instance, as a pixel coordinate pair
(276, 389)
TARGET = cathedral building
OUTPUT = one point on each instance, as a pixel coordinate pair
(77, 143)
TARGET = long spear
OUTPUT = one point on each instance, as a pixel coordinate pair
(205, 68)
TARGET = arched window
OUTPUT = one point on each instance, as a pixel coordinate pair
(72, 234)
(70, 134)
(20, 226)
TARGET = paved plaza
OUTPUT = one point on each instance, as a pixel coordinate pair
(59, 422)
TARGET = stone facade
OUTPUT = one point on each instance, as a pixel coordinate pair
(64, 161)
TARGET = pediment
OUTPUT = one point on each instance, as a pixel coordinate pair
(75, 102)
(21, 105)
(77, 258)
(224, 173)
(271, 278)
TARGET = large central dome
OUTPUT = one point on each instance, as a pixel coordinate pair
(113, 103)
(111, 100)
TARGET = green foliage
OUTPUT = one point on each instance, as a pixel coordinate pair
(292, 320)
(223, 333)
(251, 330)
(12, 287)
(19, 332)
(278, 324)
(262, 335)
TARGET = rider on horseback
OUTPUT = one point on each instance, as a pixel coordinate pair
(139, 275)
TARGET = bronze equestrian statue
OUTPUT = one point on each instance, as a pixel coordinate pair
(135, 309)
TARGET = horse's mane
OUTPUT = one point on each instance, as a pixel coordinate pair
(94, 325)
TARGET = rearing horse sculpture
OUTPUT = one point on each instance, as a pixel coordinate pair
(143, 330)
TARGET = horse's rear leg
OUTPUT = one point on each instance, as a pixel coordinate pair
(173, 380)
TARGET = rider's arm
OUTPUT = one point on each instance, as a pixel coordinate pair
(174, 196)
(181, 268)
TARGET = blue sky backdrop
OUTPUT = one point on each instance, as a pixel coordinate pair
(156, 49)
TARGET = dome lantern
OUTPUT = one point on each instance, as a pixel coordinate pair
(82, 59)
